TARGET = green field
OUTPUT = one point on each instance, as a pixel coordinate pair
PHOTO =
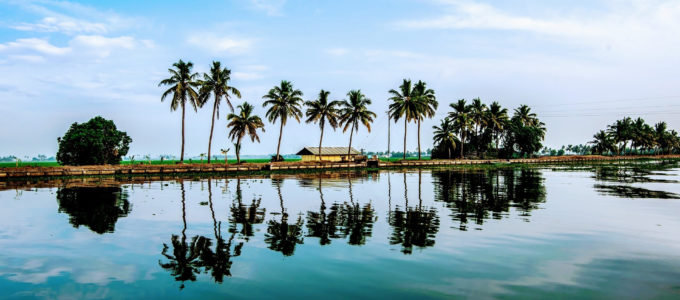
(153, 162)
(172, 162)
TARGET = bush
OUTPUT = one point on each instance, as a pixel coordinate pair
(95, 142)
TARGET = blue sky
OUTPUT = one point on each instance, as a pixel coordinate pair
(579, 64)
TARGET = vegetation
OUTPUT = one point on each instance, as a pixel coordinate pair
(404, 106)
(354, 112)
(182, 87)
(217, 84)
(643, 138)
(322, 110)
(244, 123)
(284, 102)
(478, 129)
(95, 142)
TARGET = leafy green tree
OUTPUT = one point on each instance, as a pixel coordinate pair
(478, 114)
(284, 102)
(403, 106)
(354, 112)
(217, 84)
(244, 123)
(322, 110)
(95, 142)
(427, 103)
(182, 84)
(525, 132)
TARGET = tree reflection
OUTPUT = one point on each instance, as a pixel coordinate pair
(413, 226)
(218, 262)
(479, 195)
(322, 225)
(184, 263)
(355, 221)
(97, 208)
(281, 236)
(245, 215)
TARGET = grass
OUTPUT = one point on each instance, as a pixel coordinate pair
(126, 162)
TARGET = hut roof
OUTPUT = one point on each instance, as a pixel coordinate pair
(327, 151)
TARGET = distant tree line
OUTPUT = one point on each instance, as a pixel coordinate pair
(479, 130)
(627, 136)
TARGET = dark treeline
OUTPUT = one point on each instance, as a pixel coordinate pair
(478, 130)
(629, 137)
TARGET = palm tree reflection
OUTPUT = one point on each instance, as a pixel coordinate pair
(413, 226)
(184, 263)
(480, 195)
(322, 225)
(245, 215)
(281, 236)
(355, 221)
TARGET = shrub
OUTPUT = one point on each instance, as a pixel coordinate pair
(95, 142)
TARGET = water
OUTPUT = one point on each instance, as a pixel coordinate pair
(600, 231)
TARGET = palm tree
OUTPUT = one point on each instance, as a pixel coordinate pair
(182, 84)
(602, 142)
(322, 110)
(354, 112)
(620, 132)
(478, 113)
(244, 123)
(217, 83)
(462, 122)
(444, 134)
(496, 118)
(427, 102)
(403, 106)
(526, 117)
(284, 102)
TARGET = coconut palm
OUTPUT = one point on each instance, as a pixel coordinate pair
(182, 87)
(354, 112)
(427, 102)
(462, 122)
(244, 123)
(602, 142)
(322, 110)
(217, 84)
(284, 102)
(403, 106)
(526, 117)
(496, 118)
(620, 132)
(478, 113)
(444, 134)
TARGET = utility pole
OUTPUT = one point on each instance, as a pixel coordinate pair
(389, 120)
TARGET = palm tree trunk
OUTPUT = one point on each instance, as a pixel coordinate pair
(351, 132)
(212, 126)
(279, 145)
(462, 144)
(320, 140)
(405, 123)
(238, 150)
(181, 156)
(418, 139)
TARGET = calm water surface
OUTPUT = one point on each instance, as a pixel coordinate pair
(601, 231)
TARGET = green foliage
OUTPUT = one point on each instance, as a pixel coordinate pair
(95, 142)
(242, 124)
(642, 138)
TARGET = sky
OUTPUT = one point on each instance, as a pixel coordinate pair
(580, 65)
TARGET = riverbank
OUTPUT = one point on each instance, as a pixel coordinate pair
(125, 170)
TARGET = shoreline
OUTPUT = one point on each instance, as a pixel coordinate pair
(294, 167)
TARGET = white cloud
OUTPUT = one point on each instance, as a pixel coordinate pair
(34, 44)
(28, 58)
(63, 24)
(270, 7)
(98, 41)
(220, 44)
(630, 28)
(337, 51)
